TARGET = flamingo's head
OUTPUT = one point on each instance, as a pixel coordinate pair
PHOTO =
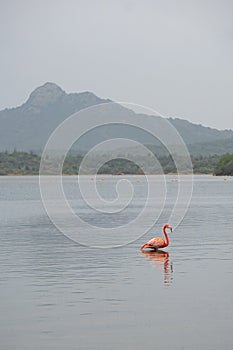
(167, 226)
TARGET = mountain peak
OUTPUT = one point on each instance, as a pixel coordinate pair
(45, 95)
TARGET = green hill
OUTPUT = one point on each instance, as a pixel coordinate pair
(27, 127)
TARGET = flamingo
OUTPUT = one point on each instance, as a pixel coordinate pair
(157, 242)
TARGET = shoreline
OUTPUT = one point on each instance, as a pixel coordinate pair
(162, 174)
(112, 175)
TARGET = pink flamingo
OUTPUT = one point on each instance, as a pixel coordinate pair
(157, 242)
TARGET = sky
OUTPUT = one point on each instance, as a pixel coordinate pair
(174, 56)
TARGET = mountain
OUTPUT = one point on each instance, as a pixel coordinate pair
(196, 133)
(27, 127)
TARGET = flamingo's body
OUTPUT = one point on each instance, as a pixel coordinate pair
(157, 242)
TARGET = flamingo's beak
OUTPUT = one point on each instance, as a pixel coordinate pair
(170, 228)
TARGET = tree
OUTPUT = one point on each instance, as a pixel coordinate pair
(224, 165)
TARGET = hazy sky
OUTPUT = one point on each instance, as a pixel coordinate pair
(175, 56)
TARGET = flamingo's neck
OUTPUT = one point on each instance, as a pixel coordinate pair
(166, 236)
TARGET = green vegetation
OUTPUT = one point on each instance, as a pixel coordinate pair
(120, 166)
(22, 163)
(224, 165)
(19, 163)
(204, 165)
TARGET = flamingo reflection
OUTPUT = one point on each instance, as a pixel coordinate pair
(161, 261)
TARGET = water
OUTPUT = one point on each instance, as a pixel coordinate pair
(56, 294)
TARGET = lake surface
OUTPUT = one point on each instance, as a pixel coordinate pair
(57, 294)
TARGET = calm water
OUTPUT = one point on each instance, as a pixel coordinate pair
(56, 294)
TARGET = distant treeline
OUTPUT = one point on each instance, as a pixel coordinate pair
(23, 163)
(224, 165)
